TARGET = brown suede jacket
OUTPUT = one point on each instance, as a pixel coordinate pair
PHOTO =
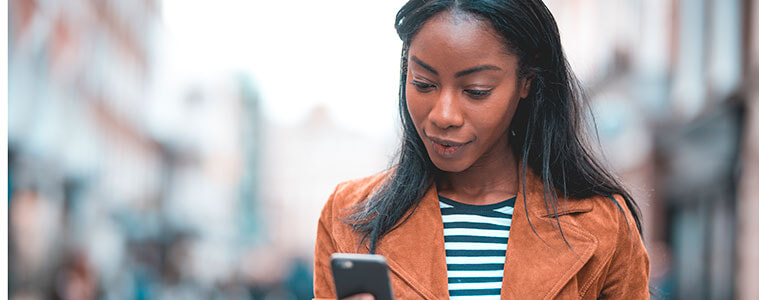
(607, 258)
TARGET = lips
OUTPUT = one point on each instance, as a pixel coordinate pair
(446, 148)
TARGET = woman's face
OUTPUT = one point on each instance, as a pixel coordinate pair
(462, 89)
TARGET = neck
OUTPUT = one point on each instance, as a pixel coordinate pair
(491, 179)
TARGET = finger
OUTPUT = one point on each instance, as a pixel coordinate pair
(363, 296)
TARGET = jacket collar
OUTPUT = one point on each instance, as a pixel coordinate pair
(538, 261)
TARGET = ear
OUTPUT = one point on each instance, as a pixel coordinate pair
(524, 85)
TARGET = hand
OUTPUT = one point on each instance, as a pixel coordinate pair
(363, 296)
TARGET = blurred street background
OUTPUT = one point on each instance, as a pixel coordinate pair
(184, 149)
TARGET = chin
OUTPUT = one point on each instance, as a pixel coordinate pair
(450, 166)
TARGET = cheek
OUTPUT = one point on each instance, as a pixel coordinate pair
(416, 106)
(492, 127)
(494, 120)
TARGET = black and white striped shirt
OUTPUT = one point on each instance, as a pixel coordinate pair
(476, 237)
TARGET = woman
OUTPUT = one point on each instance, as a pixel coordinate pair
(492, 158)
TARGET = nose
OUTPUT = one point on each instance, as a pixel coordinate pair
(446, 112)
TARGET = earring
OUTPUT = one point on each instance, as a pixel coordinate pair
(513, 133)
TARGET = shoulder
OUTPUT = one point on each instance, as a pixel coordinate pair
(608, 221)
(607, 218)
(332, 225)
(609, 215)
(619, 265)
(349, 193)
(333, 234)
(602, 216)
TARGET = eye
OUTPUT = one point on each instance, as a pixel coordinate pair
(422, 86)
(478, 94)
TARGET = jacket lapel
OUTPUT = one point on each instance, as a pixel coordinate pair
(415, 251)
(537, 266)
(539, 263)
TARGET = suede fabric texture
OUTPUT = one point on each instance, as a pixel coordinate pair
(607, 258)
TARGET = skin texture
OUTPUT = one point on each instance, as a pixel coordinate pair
(462, 91)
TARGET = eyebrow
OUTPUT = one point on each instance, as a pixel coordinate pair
(476, 69)
(424, 65)
(459, 73)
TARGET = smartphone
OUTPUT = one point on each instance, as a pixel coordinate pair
(360, 273)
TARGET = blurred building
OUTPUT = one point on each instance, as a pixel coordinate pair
(123, 184)
(303, 164)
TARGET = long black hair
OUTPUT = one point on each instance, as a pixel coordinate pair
(548, 124)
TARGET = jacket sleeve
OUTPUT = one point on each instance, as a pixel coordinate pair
(629, 269)
(325, 246)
